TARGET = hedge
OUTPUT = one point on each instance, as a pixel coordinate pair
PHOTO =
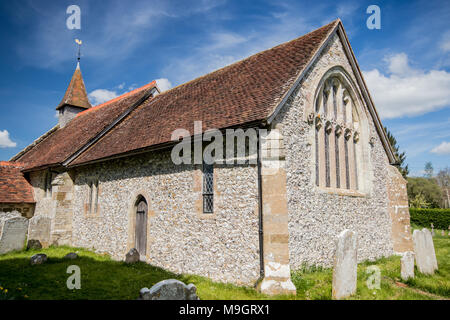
(424, 217)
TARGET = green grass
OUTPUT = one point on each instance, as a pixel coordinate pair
(103, 278)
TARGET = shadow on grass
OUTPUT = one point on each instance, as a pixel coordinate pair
(100, 279)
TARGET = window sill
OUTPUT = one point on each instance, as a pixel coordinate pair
(343, 192)
(207, 215)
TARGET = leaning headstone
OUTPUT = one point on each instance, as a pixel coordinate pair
(407, 265)
(132, 256)
(345, 265)
(71, 256)
(39, 258)
(34, 244)
(169, 290)
(424, 249)
(13, 234)
(39, 229)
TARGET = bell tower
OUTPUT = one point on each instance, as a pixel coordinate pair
(75, 99)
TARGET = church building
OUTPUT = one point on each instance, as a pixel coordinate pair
(105, 178)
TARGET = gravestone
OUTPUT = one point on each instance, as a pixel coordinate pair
(39, 258)
(39, 229)
(13, 234)
(169, 290)
(71, 256)
(345, 265)
(432, 230)
(407, 265)
(424, 249)
(442, 232)
(132, 256)
(7, 215)
(34, 245)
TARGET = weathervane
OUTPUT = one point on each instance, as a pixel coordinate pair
(79, 42)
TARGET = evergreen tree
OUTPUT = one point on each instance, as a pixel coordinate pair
(401, 157)
(428, 170)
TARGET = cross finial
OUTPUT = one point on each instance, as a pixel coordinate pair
(79, 42)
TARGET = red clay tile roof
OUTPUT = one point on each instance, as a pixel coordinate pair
(76, 92)
(61, 144)
(14, 188)
(243, 92)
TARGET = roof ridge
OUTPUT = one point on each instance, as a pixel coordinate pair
(141, 100)
(301, 73)
(122, 96)
(11, 164)
(336, 21)
(34, 143)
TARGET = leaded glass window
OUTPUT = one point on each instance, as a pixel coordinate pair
(208, 188)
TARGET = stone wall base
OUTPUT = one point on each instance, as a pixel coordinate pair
(271, 286)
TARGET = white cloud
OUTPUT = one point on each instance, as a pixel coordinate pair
(399, 65)
(443, 148)
(101, 95)
(5, 141)
(407, 91)
(223, 40)
(163, 84)
(224, 47)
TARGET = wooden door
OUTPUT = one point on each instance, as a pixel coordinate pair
(141, 228)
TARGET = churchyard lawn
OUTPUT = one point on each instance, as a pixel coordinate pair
(103, 278)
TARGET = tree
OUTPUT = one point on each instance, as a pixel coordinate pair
(443, 180)
(424, 191)
(443, 177)
(428, 170)
(401, 157)
(419, 201)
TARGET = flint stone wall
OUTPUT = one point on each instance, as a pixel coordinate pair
(13, 234)
(316, 217)
(223, 246)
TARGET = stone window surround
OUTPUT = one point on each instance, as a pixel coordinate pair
(92, 207)
(48, 188)
(364, 170)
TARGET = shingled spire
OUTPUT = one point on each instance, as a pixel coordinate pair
(75, 99)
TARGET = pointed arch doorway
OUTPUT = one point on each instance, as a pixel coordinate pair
(141, 226)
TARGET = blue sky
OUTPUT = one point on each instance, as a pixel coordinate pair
(127, 44)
